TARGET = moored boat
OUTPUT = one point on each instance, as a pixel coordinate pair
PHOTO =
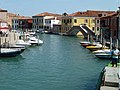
(23, 43)
(104, 55)
(9, 52)
(102, 51)
(35, 41)
(97, 47)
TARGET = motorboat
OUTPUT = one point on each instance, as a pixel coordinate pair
(87, 43)
(102, 51)
(10, 52)
(84, 42)
(104, 55)
(35, 41)
(13, 46)
(109, 78)
(23, 43)
(97, 47)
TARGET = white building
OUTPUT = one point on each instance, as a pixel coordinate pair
(50, 22)
(43, 21)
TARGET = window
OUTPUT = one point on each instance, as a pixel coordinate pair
(86, 21)
(98, 21)
(97, 28)
(93, 28)
(67, 20)
(75, 21)
(70, 20)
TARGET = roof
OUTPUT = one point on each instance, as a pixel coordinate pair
(90, 13)
(47, 14)
(1, 10)
(110, 15)
(11, 14)
(24, 17)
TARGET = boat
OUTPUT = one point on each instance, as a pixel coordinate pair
(22, 42)
(109, 78)
(102, 51)
(87, 43)
(13, 46)
(97, 47)
(10, 52)
(35, 41)
(104, 55)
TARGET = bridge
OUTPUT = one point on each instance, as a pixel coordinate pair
(83, 29)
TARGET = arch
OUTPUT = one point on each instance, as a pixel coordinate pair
(75, 29)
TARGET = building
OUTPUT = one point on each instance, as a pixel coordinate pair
(109, 27)
(4, 26)
(3, 14)
(56, 29)
(44, 21)
(87, 18)
(10, 17)
(22, 23)
(50, 22)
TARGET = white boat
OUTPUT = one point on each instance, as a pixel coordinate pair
(35, 41)
(10, 52)
(102, 51)
(104, 55)
(13, 46)
(23, 43)
(84, 42)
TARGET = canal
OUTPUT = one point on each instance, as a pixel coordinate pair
(59, 64)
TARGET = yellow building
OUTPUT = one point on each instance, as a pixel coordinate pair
(76, 20)
(80, 18)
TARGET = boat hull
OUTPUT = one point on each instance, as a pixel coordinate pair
(7, 52)
(103, 56)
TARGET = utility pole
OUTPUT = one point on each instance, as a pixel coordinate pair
(119, 25)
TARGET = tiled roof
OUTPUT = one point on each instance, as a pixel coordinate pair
(47, 14)
(24, 17)
(90, 13)
(110, 15)
(11, 14)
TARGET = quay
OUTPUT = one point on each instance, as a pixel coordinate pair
(109, 78)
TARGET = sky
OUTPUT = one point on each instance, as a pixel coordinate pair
(33, 7)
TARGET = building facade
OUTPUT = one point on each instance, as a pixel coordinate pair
(109, 27)
(44, 21)
(87, 18)
(22, 23)
(3, 14)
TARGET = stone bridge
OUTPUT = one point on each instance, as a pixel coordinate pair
(83, 29)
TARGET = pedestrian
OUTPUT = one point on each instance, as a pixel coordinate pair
(115, 56)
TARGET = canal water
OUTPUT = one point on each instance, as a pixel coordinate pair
(59, 64)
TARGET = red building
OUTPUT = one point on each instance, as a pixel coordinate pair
(25, 24)
(109, 26)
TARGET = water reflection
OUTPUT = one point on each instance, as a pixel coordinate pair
(12, 59)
